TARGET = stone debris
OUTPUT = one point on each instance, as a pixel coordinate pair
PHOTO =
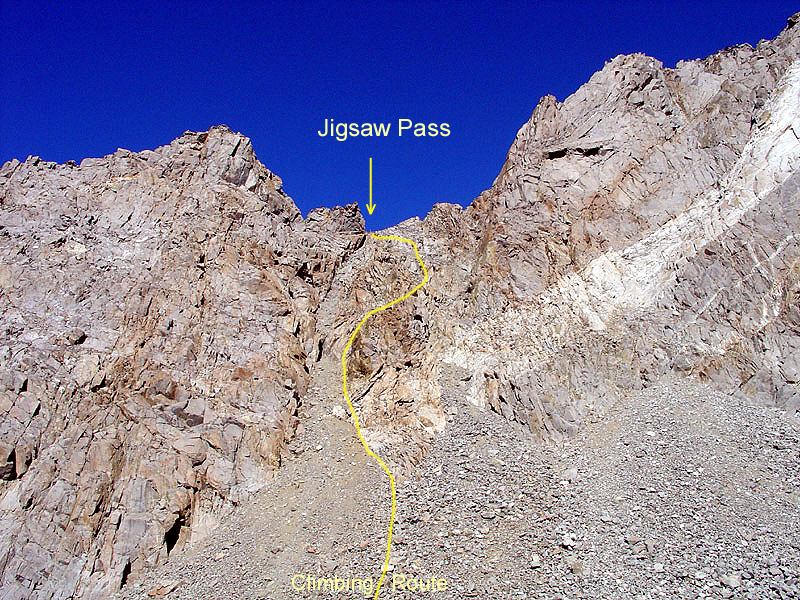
(595, 395)
(440, 529)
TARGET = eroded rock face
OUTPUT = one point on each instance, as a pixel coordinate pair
(163, 311)
(740, 298)
(159, 325)
(596, 267)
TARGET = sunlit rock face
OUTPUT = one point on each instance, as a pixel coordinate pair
(163, 312)
(159, 327)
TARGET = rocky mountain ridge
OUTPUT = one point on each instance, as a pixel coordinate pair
(165, 311)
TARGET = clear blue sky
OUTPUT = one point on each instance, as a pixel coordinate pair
(79, 79)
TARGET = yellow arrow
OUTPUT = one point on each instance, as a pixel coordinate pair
(370, 206)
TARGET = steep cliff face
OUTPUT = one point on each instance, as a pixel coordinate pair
(163, 312)
(599, 229)
(159, 326)
(625, 154)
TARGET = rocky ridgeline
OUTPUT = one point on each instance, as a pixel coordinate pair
(648, 222)
(164, 312)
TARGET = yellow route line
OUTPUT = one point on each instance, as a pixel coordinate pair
(350, 404)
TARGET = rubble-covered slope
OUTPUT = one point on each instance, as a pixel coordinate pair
(163, 312)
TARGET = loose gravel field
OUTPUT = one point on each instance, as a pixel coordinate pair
(679, 491)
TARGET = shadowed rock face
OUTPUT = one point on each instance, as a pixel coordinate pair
(163, 311)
